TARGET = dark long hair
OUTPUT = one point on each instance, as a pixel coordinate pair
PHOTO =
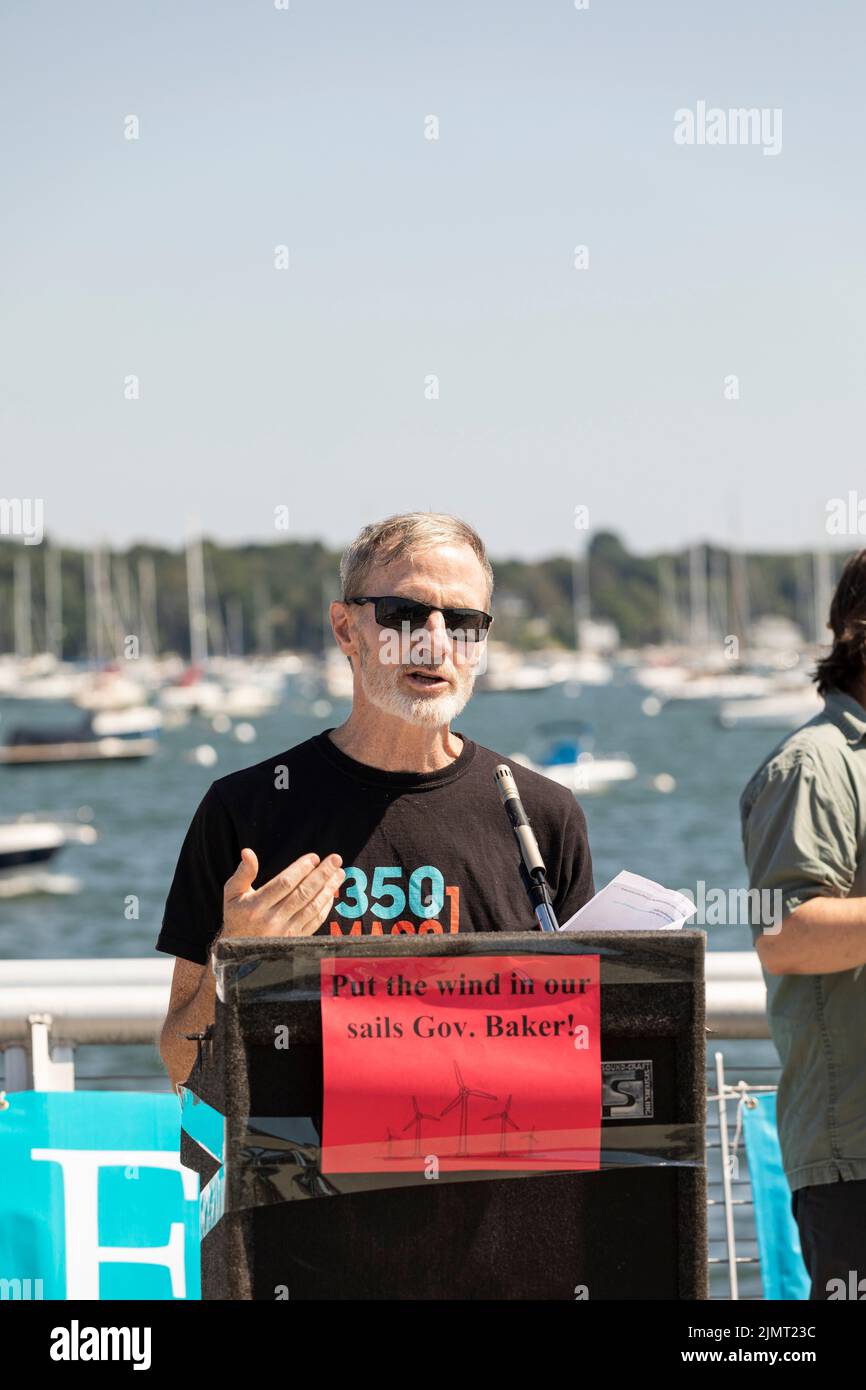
(845, 664)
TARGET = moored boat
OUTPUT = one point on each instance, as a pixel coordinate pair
(25, 841)
(564, 751)
(96, 738)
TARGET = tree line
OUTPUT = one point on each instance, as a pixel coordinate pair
(272, 597)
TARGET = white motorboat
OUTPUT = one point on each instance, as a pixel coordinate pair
(25, 841)
(141, 722)
(786, 709)
(563, 750)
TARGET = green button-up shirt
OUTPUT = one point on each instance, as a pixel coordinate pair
(804, 834)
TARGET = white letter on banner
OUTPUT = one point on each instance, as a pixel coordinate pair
(84, 1254)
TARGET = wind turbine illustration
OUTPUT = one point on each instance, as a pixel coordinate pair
(506, 1120)
(462, 1099)
(390, 1138)
(416, 1119)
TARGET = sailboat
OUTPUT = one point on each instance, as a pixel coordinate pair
(193, 692)
(521, 673)
(238, 693)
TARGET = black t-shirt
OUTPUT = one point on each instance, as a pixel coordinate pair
(421, 851)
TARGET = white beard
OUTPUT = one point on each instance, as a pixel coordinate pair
(380, 684)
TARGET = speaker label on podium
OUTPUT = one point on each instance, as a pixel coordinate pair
(488, 1063)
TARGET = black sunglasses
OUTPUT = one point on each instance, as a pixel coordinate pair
(393, 611)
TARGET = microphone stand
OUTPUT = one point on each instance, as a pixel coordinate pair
(539, 895)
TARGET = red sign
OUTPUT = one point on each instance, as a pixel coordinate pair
(461, 1062)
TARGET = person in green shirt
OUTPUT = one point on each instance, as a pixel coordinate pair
(803, 819)
(804, 834)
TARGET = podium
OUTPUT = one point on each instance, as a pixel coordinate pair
(277, 1224)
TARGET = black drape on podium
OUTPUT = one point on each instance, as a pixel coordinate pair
(280, 1227)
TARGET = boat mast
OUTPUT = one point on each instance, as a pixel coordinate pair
(147, 605)
(671, 622)
(196, 600)
(109, 631)
(234, 627)
(699, 625)
(53, 602)
(740, 595)
(23, 607)
(263, 621)
(821, 587)
(580, 597)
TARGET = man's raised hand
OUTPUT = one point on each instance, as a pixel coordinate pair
(294, 903)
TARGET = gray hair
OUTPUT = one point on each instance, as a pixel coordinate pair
(406, 535)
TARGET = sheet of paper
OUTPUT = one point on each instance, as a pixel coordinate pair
(630, 901)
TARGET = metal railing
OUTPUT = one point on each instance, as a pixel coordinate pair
(125, 1000)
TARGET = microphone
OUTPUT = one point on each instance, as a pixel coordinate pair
(532, 870)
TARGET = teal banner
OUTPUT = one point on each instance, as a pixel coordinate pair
(94, 1202)
(783, 1273)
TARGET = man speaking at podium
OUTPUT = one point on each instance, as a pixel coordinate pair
(389, 823)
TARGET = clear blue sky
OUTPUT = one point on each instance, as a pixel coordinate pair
(305, 388)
